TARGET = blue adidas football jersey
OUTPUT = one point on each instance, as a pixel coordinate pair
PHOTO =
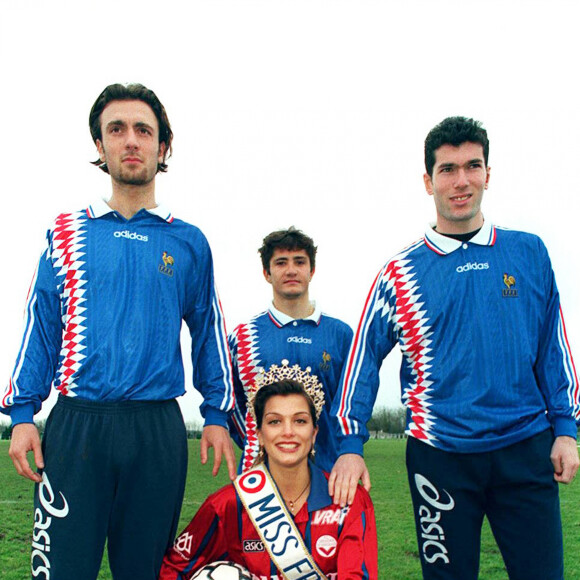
(486, 360)
(319, 342)
(104, 314)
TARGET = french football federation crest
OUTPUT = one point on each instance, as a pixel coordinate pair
(167, 266)
(326, 358)
(510, 290)
(167, 259)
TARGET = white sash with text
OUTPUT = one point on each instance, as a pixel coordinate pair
(275, 525)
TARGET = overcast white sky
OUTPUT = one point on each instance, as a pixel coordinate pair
(310, 113)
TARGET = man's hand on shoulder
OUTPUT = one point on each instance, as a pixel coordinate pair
(25, 438)
(565, 459)
(344, 477)
(218, 438)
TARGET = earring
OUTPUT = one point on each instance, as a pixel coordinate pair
(312, 453)
(261, 455)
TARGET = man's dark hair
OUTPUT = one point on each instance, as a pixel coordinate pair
(454, 131)
(131, 92)
(285, 387)
(290, 239)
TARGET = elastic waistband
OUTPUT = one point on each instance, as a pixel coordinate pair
(110, 408)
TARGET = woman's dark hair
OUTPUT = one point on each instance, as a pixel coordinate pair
(285, 387)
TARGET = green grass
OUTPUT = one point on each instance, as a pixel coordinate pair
(398, 558)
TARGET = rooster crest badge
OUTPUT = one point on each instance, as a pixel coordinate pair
(167, 266)
(510, 290)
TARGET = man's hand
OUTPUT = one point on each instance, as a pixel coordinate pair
(565, 459)
(218, 438)
(25, 438)
(344, 477)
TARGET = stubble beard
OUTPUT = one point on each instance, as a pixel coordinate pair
(143, 177)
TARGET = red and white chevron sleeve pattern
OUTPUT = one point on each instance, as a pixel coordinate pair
(248, 368)
(68, 256)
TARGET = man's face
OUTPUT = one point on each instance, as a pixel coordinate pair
(459, 179)
(290, 273)
(130, 142)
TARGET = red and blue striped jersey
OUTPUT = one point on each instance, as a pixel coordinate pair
(104, 313)
(342, 541)
(486, 360)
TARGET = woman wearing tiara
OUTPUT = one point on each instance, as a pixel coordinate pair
(277, 519)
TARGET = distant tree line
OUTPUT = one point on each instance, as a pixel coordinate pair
(387, 420)
(6, 429)
(193, 429)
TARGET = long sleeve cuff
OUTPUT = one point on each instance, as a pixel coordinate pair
(564, 426)
(351, 444)
(215, 417)
(22, 413)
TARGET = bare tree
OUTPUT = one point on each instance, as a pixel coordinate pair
(388, 420)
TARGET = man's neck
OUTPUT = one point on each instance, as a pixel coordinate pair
(298, 308)
(130, 199)
(462, 237)
(451, 228)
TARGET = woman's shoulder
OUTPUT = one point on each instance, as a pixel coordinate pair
(224, 498)
(362, 498)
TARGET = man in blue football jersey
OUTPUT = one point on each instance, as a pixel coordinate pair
(102, 327)
(487, 377)
(292, 328)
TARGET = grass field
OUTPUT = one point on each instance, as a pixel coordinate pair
(398, 559)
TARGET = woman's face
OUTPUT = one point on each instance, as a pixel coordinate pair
(288, 432)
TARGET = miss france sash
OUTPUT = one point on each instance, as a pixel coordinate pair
(276, 528)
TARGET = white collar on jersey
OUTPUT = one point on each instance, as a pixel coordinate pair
(445, 245)
(284, 319)
(100, 208)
